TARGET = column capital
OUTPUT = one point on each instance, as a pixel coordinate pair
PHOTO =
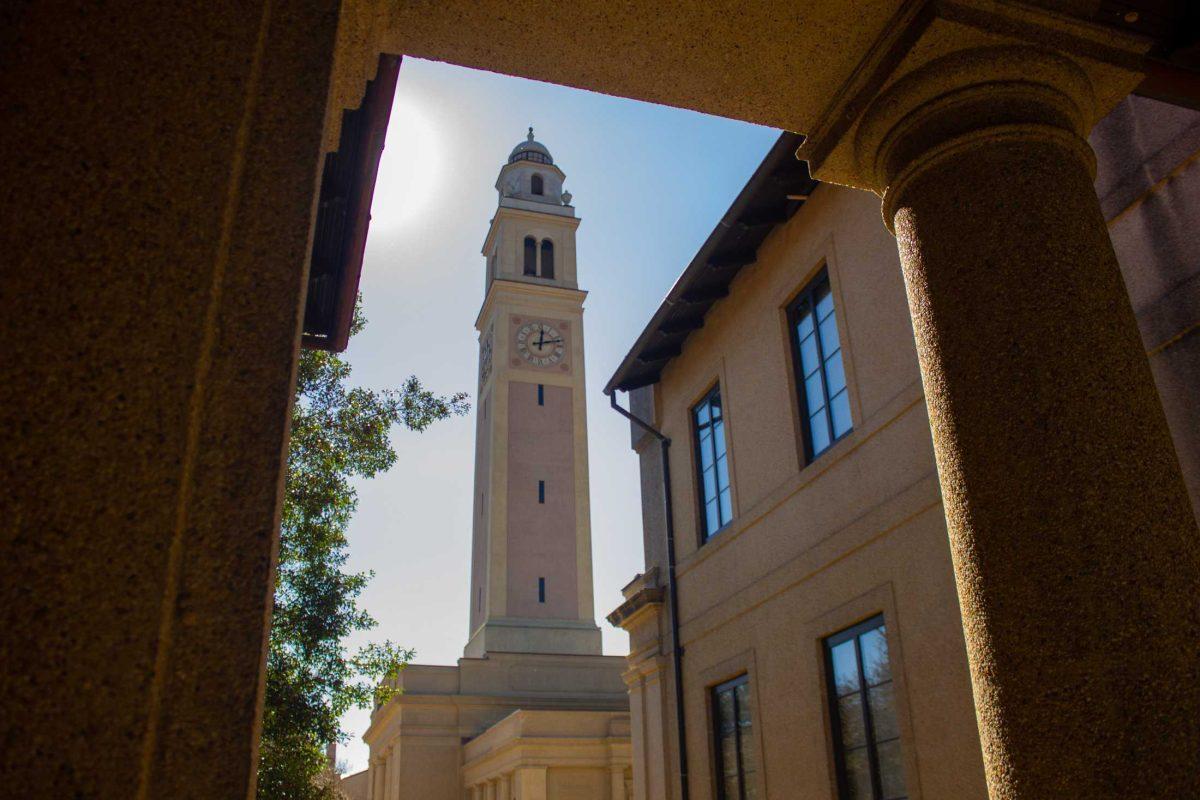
(951, 70)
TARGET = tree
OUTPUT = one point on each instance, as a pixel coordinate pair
(338, 434)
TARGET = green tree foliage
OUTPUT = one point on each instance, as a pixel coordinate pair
(338, 434)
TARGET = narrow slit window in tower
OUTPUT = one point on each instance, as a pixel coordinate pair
(547, 258)
(541, 590)
(530, 256)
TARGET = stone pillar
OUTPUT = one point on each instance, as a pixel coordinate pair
(1074, 544)
(616, 782)
(378, 778)
(530, 783)
(489, 790)
(160, 191)
(505, 787)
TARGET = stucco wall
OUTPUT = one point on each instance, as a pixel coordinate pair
(816, 548)
(479, 526)
(541, 536)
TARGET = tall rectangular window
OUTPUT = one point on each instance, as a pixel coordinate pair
(716, 501)
(862, 702)
(733, 728)
(820, 376)
(541, 395)
(541, 590)
(541, 491)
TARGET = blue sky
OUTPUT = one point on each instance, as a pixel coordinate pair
(649, 183)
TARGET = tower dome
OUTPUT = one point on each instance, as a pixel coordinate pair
(530, 150)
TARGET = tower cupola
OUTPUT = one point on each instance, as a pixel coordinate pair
(530, 176)
(530, 150)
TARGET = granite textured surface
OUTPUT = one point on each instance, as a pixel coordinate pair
(1074, 543)
(155, 237)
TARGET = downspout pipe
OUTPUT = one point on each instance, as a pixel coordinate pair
(672, 593)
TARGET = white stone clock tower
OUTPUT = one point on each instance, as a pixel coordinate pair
(533, 710)
(531, 560)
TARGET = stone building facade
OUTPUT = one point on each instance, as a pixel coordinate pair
(822, 640)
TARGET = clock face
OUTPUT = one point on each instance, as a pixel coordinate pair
(540, 344)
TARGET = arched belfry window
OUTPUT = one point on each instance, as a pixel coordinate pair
(530, 256)
(547, 258)
(535, 184)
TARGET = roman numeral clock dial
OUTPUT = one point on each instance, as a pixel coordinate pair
(541, 344)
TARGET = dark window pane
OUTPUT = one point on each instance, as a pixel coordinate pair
(858, 775)
(853, 724)
(814, 392)
(547, 259)
(536, 184)
(820, 432)
(891, 770)
(845, 667)
(711, 466)
(835, 374)
(824, 302)
(809, 359)
(875, 655)
(839, 407)
(725, 709)
(883, 712)
(829, 335)
(530, 267)
(819, 360)
(804, 320)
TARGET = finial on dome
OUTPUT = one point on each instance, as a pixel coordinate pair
(529, 138)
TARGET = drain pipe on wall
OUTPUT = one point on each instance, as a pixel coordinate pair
(676, 647)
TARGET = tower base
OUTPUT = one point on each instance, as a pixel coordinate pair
(517, 725)
(550, 636)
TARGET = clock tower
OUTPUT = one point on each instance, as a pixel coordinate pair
(531, 559)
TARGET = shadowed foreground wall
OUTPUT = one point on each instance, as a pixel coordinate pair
(155, 236)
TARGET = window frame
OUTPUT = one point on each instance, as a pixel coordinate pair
(828, 643)
(698, 463)
(537, 184)
(718, 759)
(808, 292)
(546, 246)
(530, 269)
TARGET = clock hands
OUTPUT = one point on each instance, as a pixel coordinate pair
(542, 341)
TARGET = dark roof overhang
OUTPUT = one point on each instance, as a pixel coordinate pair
(344, 214)
(773, 194)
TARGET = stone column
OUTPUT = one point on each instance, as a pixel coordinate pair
(505, 787)
(616, 782)
(1074, 544)
(378, 778)
(160, 191)
(530, 783)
